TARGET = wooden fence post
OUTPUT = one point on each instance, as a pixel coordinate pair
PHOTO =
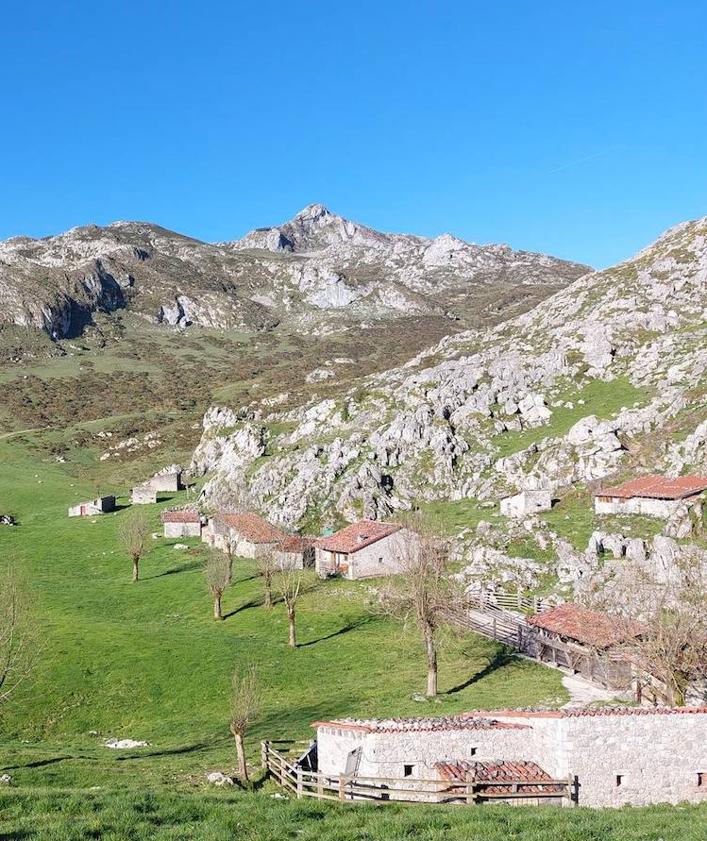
(342, 787)
(494, 628)
(320, 786)
(299, 783)
(264, 754)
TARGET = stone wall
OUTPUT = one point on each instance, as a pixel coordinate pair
(619, 757)
(662, 508)
(526, 502)
(384, 557)
(182, 529)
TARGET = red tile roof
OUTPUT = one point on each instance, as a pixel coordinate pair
(181, 516)
(657, 487)
(590, 627)
(296, 543)
(502, 771)
(466, 721)
(252, 527)
(357, 535)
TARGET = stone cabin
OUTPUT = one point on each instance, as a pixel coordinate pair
(100, 505)
(613, 756)
(181, 523)
(251, 535)
(169, 479)
(588, 643)
(652, 496)
(143, 495)
(295, 552)
(366, 549)
(526, 502)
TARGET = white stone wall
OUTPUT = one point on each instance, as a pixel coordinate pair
(662, 508)
(656, 756)
(143, 496)
(165, 482)
(182, 529)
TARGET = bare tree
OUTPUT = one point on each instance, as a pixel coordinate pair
(133, 534)
(229, 551)
(18, 651)
(267, 567)
(290, 584)
(671, 650)
(424, 592)
(218, 577)
(245, 703)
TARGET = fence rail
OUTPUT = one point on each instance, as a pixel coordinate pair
(291, 777)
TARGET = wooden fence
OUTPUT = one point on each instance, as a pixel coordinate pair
(288, 774)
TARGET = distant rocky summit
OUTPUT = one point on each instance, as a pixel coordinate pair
(318, 272)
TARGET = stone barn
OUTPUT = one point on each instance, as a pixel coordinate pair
(652, 496)
(143, 495)
(100, 505)
(587, 643)
(181, 523)
(367, 549)
(295, 553)
(251, 535)
(526, 502)
(609, 757)
(169, 479)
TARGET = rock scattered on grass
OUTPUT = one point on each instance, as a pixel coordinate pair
(125, 744)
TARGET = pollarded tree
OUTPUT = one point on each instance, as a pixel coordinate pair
(245, 703)
(290, 583)
(424, 593)
(133, 535)
(267, 567)
(218, 577)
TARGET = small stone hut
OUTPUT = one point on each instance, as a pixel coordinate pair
(181, 523)
(526, 502)
(143, 495)
(169, 479)
(652, 496)
(295, 552)
(100, 505)
(366, 549)
(251, 535)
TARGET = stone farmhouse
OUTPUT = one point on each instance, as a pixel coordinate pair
(251, 535)
(526, 502)
(608, 757)
(295, 553)
(652, 496)
(366, 549)
(143, 495)
(588, 643)
(100, 505)
(182, 523)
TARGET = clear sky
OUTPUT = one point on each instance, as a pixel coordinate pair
(578, 129)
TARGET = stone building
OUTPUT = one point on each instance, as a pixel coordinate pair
(181, 523)
(295, 553)
(587, 643)
(250, 535)
(167, 480)
(143, 495)
(100, 505)
(366, 549)
(613, 756)
(652, 496)
(526, 502)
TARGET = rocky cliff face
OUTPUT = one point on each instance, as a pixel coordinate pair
(609, 372)
(318, 272)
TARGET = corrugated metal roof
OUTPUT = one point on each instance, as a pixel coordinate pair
(657, 487)
(499, 770)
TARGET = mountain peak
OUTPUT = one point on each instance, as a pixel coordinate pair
(313, 212)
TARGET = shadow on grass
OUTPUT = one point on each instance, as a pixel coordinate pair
(351, 626)
(244, 606)
(498, 661)
(40, 763)
(180, 750)
(187, 567)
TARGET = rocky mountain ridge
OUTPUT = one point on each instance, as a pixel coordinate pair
(317, 273)
(606, 375)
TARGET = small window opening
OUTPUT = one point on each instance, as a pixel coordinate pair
(702, 779)
(407, 770)
(619, 780)
(380, 560)
(472, 752)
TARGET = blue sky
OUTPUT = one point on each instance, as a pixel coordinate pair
(578, 129)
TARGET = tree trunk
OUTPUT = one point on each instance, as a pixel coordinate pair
(230, 569)
(293, 629)
(136, 569)
(431, 652)
(267, 600)
(240, 755)
(217, 608)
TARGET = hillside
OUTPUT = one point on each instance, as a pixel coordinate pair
(605, 376)
(318, 272)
